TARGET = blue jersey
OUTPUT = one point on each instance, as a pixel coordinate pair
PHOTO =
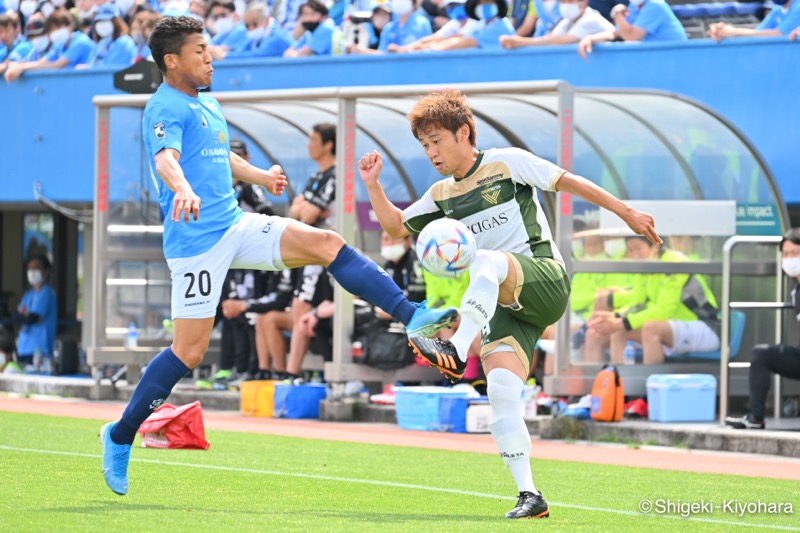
(39, 336)
(783, 21)
(657, 19)
(196, 128)
(416, 27)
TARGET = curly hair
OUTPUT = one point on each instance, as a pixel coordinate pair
(168, 37)
(446, 109)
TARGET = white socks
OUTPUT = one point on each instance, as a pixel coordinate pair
(508, 427)
(487, 272)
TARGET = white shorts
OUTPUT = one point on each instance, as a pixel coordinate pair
(693, 336)
(252, 243)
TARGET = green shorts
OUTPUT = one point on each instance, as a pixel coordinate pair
(541, 294)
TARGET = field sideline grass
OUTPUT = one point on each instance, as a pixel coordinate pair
(250, 482)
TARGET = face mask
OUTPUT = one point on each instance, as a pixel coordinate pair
(615, 248)
(255, 34)
(457, 12)
(47, 9)
(58, 3)
(310, 26)
(791, 266)
(59, 37)
(486, 12)
(550, 5)
(402, 7)
(570, 11)
(89, 13)
(104, 28)
(11, 5)
(27, 7)
(637, 3)
(40, 43)
(138, 38)
(124, 5)
(35, 277)
(223, 26)
(393, 252)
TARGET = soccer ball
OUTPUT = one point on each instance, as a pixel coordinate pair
(446, 248)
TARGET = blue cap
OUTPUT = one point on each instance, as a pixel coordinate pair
(106, 12)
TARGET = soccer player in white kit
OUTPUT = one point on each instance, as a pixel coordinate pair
(187, 143)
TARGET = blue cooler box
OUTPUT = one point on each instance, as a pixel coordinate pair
(298, 401)
(418, 407)
(453, 412)
(681, 397)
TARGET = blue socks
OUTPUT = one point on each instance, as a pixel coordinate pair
(163, 372)
(360, 276)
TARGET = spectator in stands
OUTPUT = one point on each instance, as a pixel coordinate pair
(782, 359)
(668, 314)
(199, 9)
(493, 14)
(85, 10)
(272, 320)
(114, 46)
(69, 48)
(229, 31)
(645, 20)
(434, 11)
(265, 37)
(26, 9)
(14, 45)
(130, 8)
(37, 36)
(459, 24)
(381, 16)
(286, 12)
(141, 28)
(318, 31)
(402, 266)
(408, 25)
(781, 20)
(311, 207)
(251, 197)
(314, 288)
(37, 312)
(579, 20)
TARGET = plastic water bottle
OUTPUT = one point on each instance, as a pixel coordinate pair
(37, 360)
(132, 340)
(630, 353)
(316, 378)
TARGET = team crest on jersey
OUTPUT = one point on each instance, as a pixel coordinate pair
(219, 136)
(160, 130)
(491, 196)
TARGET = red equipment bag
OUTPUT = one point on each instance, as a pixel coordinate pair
(175, 427)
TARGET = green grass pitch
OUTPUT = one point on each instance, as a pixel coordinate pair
(51, 480)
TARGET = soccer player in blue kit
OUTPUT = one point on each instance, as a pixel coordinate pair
(186, 138)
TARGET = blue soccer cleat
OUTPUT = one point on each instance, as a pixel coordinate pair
(115, 461)
(426, 322)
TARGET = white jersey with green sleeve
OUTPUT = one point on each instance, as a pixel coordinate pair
(497, 201)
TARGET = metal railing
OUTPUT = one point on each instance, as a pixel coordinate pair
(727, 305)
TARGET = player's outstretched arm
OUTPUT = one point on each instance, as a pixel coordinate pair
(389, 215)
(273, 179)
(186, 202)
(641, 223)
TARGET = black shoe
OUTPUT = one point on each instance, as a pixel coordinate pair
(441, 355)
(263, 375)
(529, 505)
(746, 422)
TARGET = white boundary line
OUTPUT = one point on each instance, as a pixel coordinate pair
(400, 486)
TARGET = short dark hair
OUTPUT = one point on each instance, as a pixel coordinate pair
(238, 147)
(9, 19)
(168, 37)
(42, 259)
(314, 5)
(59, 18)
(327, 132)
(226, 4)
(793, 235)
